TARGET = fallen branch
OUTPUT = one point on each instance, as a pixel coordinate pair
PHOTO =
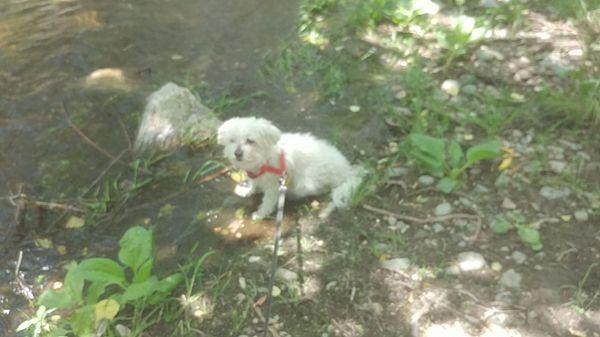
(428, 220)
(82, 135)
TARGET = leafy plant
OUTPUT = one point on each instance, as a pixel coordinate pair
(528, 235)
(459, 39)
(447, 159)
(97, 289)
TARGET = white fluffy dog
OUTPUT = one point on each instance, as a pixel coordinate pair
(312, 166)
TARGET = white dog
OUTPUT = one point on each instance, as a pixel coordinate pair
(312, 166)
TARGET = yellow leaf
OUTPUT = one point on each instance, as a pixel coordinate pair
(566, 217)
(238, 176)
(506, 162)
(106, 309)
(74, 222)
(44, 243)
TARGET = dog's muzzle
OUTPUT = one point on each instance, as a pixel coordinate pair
(238, 153)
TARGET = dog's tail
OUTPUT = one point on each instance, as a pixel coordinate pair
(342, 195)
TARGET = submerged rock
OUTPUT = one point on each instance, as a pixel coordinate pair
(174, 117)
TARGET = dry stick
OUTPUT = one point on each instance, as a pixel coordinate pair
(125, 132)
(103, 173)
(420, 220)
(212, 176)
(82, 135)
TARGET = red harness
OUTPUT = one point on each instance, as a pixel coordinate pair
(266, 168)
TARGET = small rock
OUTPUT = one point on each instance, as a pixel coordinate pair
(496, 266)
(581, 215)
(285, 275)
(467, 262)
(426, 180)
(522, 75)
(437, 228)
(396, 264)
(508, 204)
(552, 193)
(392, 221)
(451, 87)
(557, 166)
(253, 259)
(442, 209)
(519, 257)
(511, 279)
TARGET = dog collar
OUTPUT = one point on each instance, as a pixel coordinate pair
(266, 168)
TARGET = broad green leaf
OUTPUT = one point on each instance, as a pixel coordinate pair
(102, 270)
(83, 321)
(57, 299)
(74, 282)
(138, 290)
(169, 283)
(447, 184)
(530, 236)
(143, 272)
(25, 325)
(57, 332)
(455, 154)
(94, 291)
(487, 150)
(105, 309)
(136, 248)
(428, 151)
(500, 225)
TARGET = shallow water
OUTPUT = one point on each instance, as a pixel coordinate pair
(51, 52)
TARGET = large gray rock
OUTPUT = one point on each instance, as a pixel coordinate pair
(174, 117)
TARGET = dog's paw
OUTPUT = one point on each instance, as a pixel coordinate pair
(257, 216)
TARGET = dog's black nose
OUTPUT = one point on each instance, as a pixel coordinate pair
(238, 153)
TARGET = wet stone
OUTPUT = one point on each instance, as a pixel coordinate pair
(442, 209)
(519, 257)
(426, 180)
(511, 279)
(552, 193)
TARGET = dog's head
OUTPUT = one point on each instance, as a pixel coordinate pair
(248, 141)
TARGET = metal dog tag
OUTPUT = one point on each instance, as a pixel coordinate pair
(243, 189)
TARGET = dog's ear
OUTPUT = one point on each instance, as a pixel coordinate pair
(223, 131)
(268, 134)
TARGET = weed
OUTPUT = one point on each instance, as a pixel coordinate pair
(514, 220)
(448, 160)
(96, 290)
(581, 301)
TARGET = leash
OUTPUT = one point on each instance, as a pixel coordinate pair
(278, 222)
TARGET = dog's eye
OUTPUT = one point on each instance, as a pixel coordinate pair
(250, 141)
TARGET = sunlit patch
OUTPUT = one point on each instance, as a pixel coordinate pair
(454, 329)
(315, 38)
(87, 19)
(198, 306)
(108, 78)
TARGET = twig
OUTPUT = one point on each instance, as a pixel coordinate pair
(103, 173)
(18, 266)
(21, 201)
(82, 135)
(24, 289)
(212, 176)
(428, 220)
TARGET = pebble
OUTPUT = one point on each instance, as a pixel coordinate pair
(426, 180)
(285, 275)
(442, 209)
(552, 193)
(437, 228)
(396, 264)
(398, 171)
(557, 166)
(581, 215)
(467, 262)
(511, 279)
(391, 220)
(253, 259)
(519, 257)
(496, 266)
(522, 75)
(451, 87)
(508, 204)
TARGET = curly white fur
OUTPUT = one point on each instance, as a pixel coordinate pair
(313, 166)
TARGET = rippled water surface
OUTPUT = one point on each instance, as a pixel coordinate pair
(97, 61)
